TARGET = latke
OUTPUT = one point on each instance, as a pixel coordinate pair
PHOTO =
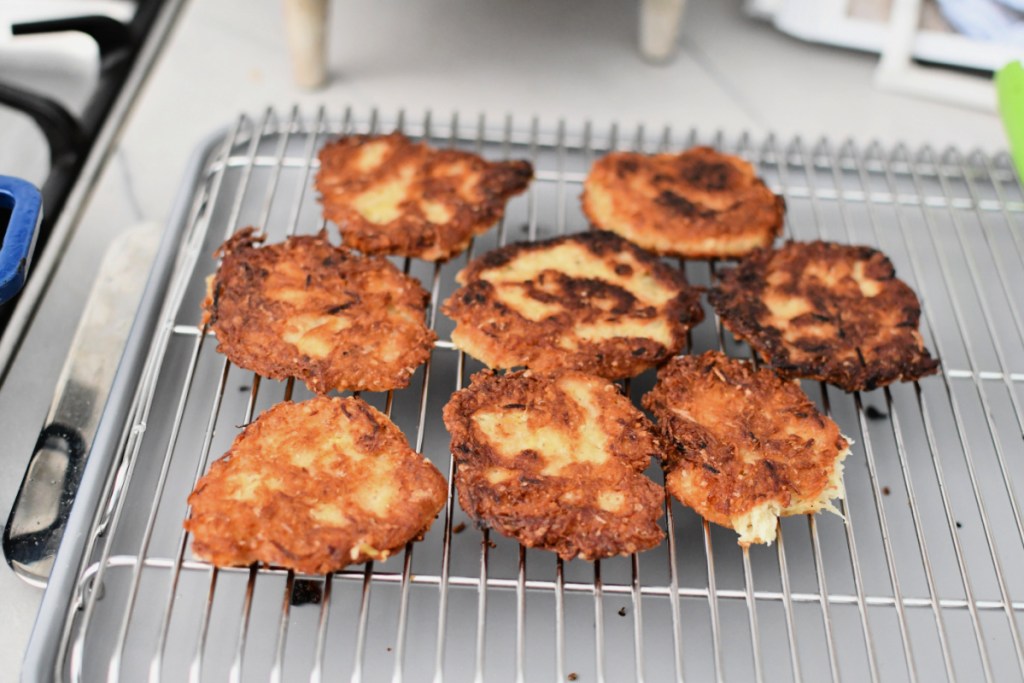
(304, 308)
(744, 447)
(389, 195)
(826, 311)
(591, 302)
(696, 204)
(556, 462)
(314, 486)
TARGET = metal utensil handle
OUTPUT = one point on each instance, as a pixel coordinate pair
(43, 504)
(55, 466)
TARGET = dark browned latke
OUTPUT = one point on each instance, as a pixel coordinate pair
(826, 311)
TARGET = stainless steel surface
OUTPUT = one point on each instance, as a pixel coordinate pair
(916, 582)
(106, 140)
(40, 513)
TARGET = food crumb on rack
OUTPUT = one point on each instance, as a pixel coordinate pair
(622, 611)
(306, 592)
(459, 528)
(572, 676)
(886, 490)
(491, 544)
(959, 525)
(874, 413)
(244, 388)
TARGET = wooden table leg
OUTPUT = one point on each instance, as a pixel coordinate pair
(306, 27)
(659, 28)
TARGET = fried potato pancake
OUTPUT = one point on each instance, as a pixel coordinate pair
(743, 446)
(314, 486)
(556, 462)
(389, 195)
(695, 204)
(324, 314)
(826, 311)
(591, 302)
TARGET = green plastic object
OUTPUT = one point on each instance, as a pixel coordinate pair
(1010, 90)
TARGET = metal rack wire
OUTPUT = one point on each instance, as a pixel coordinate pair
(918, 581)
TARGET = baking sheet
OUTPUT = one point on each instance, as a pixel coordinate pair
(917, 582)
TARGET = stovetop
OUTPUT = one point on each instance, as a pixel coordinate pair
(65, 65)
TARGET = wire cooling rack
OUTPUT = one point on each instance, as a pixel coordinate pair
(922, 580)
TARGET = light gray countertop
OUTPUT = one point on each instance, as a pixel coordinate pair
(574, 59)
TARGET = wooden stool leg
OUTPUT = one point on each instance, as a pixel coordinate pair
(306, 27)
(659, 28)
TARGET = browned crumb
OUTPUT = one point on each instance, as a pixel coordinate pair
(314, 486)
(572, 676)
(389, 195)
(556, 462)
(307, 592)
(304, 308)
(826, 311)
(744, 446)
(591, 302)
(459, 528)
(696, 204)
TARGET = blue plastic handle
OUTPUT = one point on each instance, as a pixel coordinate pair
(25, 204)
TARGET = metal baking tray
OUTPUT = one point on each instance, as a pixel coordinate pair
(920, 579)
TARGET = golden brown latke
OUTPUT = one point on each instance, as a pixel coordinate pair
(314, 486)
(743, 446)
(324, 314)
(826, 311)
(556, 462)
(696, 204)
(591, 302)
(389, 195)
